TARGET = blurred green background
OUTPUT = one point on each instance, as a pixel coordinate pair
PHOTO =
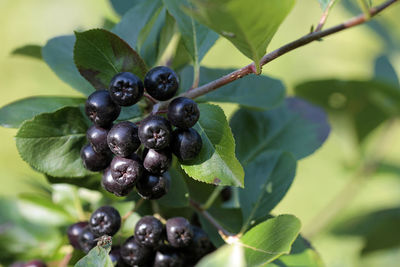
(347, 55)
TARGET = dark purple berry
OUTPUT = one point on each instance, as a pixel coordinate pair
(179, 232)
(154, 132)
(97, 137)
(151, 186)
(161, 83)
(35, 263)
(200, 246)
(94, 161)
(115, 256)
(186, 144)
(157, 161)
(87, 240)
(74, 232)
(105, 221)
(110, 184)
(100, 108)
(123, 139)
(167, 257)
(183, 112)
(149, 231)
(126, 89)
(126, 171)
(135, 255)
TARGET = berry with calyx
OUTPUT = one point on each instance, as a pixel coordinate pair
(126, 171)
(126, 89)
(149, 231)
(161, 82)
(100, 108)
(167, 256)
(183, 112)
(110, 184)
(87, 240)
(74, 232)
(157, 161)
(135, 255)
(179, 232)
(123, 138)
(186, 144)
(105, 221)
(155, 132)
(94, 161)
(151, 186)
(200, 246)
(97, 137)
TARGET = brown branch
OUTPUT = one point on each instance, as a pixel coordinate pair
(306, 39)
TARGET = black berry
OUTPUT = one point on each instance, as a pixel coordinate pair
(105, 221)
(123, 139)
(167, 257)
(183, 112)
(157, 161)
(100, 108)
(94, 161)
(110, 184)
(179, 232)
(133, 254)
(186, 144)
(149, 231)
(200, 246)
(97, 137)
(115, 256)
(87, 240)
(35, 263)
(74, 231)
(151, 186)
(161, 83)
(126, 171)
(126, 89)
(155, 132)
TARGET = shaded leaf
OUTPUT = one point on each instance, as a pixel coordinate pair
(51, 142)
(58, 53)
(385, 72)
(96, 257)
(216, 162)
(12, 115)
(129, 113)
(89, 182)
(33, 51)
(100, 55)
(122, 6)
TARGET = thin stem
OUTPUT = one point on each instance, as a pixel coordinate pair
(135, 208)
(64, 262)
(324, 16)
(150, 98)
(306, 39)
(211, 199)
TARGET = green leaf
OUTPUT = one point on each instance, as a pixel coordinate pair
(268, 178)
(14, 114)
(100, 55)
(252, 33)
(363, 105)
(197, 38)
(33, 51)
(178, 194)
(90, 182)
(58, 54)
(122, 6)
(216, 162)
(51, 142)
(252, 91)
(268, 240)
(129, 113)
(226, 256)
(302, 254)
(324, 4)
(96, 257)
(385, 72)
(296, 126)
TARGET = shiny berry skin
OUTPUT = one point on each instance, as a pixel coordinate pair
(35, 263)
(87, 240)
(115, 256)
(123, 139)
(161, 82)
(155, 132)
(157, 161)
(110, 184)
(135, 255)
(167, 257)
(94, 161)
(179, 232)
(126, 89)
(200, 246)
(97, 137)
(126, 171)
(149, 231)
(100, 108)
(183, 112)
(186, 144)
(73, 233)
(105, 221)
(153, 186)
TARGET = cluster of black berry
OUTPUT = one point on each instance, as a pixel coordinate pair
(115, 147)
(178, 243)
